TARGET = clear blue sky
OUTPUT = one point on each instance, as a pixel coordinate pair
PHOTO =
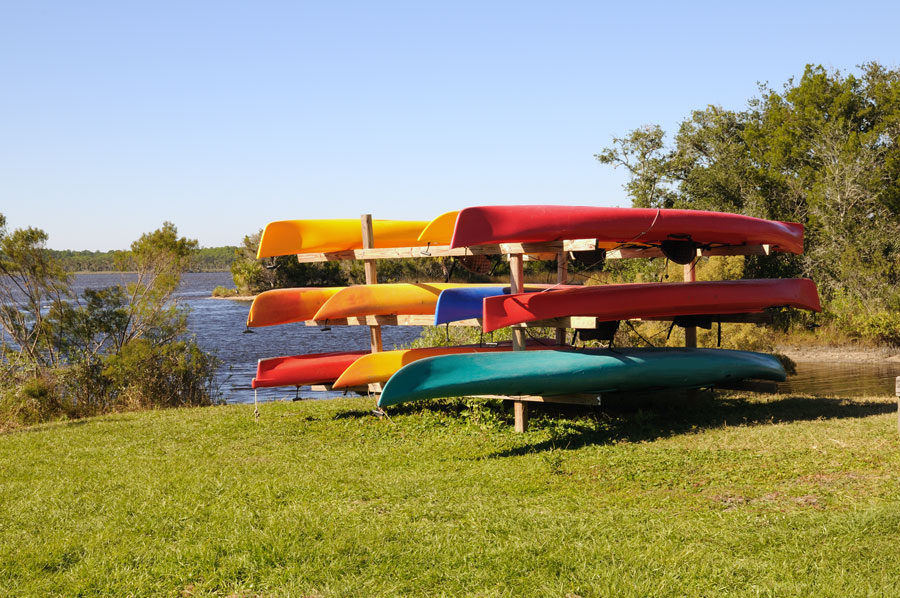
(221, 116)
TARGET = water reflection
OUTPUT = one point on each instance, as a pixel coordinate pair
(843, 379)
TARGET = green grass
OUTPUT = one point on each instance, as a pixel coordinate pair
(772, 496)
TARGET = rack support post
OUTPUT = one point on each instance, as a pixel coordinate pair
(897, 392)
(562, 277)
(517, 285)
(690, 332)
(368, 238)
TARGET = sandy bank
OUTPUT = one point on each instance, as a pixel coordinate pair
(841, 354)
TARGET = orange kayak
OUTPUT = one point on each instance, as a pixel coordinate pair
(406, 299)
(283, 306)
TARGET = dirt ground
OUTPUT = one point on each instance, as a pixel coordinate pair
(841, 354)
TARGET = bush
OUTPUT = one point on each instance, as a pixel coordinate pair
(221, 291)
(118, 348)
(881, 327)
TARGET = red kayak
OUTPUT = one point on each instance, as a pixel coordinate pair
(652, 300)
(301, 370)
(612, 227)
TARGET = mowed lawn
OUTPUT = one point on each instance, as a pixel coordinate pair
(736, 496)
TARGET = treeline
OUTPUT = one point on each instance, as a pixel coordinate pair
(822, 151)
(207, 259)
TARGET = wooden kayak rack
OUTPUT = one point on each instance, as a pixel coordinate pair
(517, 254)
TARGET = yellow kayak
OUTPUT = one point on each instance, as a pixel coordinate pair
(289, 237)
(379, 367)
(402, 299)
(283, 306)
(440, 230)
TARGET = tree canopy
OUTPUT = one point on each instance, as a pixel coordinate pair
(823, 150)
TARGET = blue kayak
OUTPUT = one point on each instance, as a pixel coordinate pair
(465, 303)
(555, 372)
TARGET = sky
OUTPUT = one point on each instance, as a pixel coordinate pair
(222, 116)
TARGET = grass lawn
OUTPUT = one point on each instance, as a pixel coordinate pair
(743, 496)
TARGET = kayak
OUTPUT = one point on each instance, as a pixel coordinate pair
(440, 230)
(405, 299)
(288, 237)
(466, 303)
(284, 306)
(379, 367)
(302, 370)
(613, 227)
(651, 300)
(555, 372)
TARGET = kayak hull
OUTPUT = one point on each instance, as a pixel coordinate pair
(620, 226)
(406, 299)
(466, 303)
(288, 237)
(284, 306)
(301, 370)
(651, 300)
(379, 367)
(555, 372)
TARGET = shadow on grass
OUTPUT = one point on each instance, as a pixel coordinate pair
(647, 418)
(654, 420)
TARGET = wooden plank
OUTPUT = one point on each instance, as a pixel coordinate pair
(745, 318)
(520, 412)
(690, 332)
(623, 253)
(588, 322)
(329, 388)
(897, 392)
(368, 239)
(570, 399)
(445, 251)
(427, 320)
(517, 285)
(562, 277)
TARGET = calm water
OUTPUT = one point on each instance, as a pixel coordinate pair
(219, 326)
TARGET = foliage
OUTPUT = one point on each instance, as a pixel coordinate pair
(121, 347)
(822, 151)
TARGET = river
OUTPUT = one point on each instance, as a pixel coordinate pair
(219, 326)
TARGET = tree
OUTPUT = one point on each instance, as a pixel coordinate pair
(822, 151)
(124, 346)
(642, 153)
(29, 280)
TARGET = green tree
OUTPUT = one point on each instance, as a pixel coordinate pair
(822, 151)
(122, 347)
(643, 154)
(29, 280)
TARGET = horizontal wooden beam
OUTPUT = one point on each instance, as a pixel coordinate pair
(648, 252)
(426, 320)
(570, 399)
(545, 249)
(330, 388)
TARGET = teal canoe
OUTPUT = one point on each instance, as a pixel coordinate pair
(555, 372)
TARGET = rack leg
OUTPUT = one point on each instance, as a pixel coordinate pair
(690, 333)
(520, 410)
(897, 392)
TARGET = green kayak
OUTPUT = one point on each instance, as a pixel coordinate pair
(555, 372)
